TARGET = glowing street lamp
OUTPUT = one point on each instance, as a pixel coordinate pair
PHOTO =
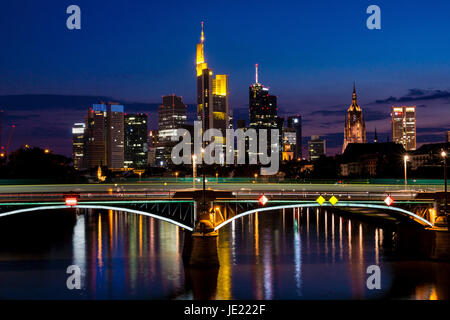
(194, 170)
(405, 159)
(444, 156)
(176, 177)
(256, 176)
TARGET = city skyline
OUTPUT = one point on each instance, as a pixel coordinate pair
(299, 82)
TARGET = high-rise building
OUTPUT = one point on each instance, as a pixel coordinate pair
(152, 146)
(317, 147)
(104, 142)
(289, 144)
(295, 122)
(263, 112)
(136, 145)
(212, 95)
(263, 107)
(78, 140)
(115, 135)
(403, 124)
(355, 126)
(171, 116)
(95, 141)
(447, 136)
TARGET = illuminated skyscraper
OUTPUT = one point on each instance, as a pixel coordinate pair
(96, 136)
(105, 135)
(403, 123)
(115, 135)
(78, 140)
(136, 145)
(263, 107)
(212, 94)
(295, 122)
(171, 116)
(263, 111)
(355, 126)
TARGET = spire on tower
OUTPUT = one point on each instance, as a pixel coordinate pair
(256, 73)
(202, 38)
(375, 138)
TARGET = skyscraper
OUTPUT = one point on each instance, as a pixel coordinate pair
(115, 135)
(403, 124)
(316, 147)
(96, 136)
(212, 94)
(171, 116)
(136, 145)
(263, 112)
(295, 122)
(355, 126)
(263, 107)
(105, 135)
(78, 140)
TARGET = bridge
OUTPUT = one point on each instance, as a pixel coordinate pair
(176, 204)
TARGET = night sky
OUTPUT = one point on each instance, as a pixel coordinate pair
(309, 53)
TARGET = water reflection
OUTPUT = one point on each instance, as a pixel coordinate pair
(290, 254)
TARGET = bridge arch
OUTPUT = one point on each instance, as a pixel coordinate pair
(417, 218)
(100, 207)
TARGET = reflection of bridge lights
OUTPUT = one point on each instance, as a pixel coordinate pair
(389, 201)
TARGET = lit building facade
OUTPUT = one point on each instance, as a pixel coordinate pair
(355, 126)
(78, 145)
(104, 141)
(136, 145)
(115, 135)
(295, 122)
(212, 95)
(95, 141)
(171, 116)
(316, 147)
(263, 111)
(403, 124)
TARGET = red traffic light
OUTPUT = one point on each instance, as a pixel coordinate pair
(263, 200)
(389, 200)
(71, 201)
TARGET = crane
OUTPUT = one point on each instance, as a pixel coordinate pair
(9, 138)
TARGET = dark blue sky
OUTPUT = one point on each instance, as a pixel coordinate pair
(309, 52)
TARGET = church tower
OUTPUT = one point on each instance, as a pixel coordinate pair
(355, 126)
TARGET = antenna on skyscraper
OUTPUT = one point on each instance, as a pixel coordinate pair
(256, 73)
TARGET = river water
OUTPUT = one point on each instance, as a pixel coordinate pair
(291, 254)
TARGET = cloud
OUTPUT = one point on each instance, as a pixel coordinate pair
(416, 95)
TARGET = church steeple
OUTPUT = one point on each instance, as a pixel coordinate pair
(354, 105)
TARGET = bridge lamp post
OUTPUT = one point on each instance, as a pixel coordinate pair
(176, 177)
(405, 159)
(444, 155)
(194, 170)
(256, 177)
(204, 179)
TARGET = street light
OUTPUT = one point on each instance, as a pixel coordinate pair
(176, 177)
(405, 159)
(256, 176)
(194, 170)
(204, 179)
(444, 155)
(217, 177)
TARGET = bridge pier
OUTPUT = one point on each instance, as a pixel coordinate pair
(200, 251)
